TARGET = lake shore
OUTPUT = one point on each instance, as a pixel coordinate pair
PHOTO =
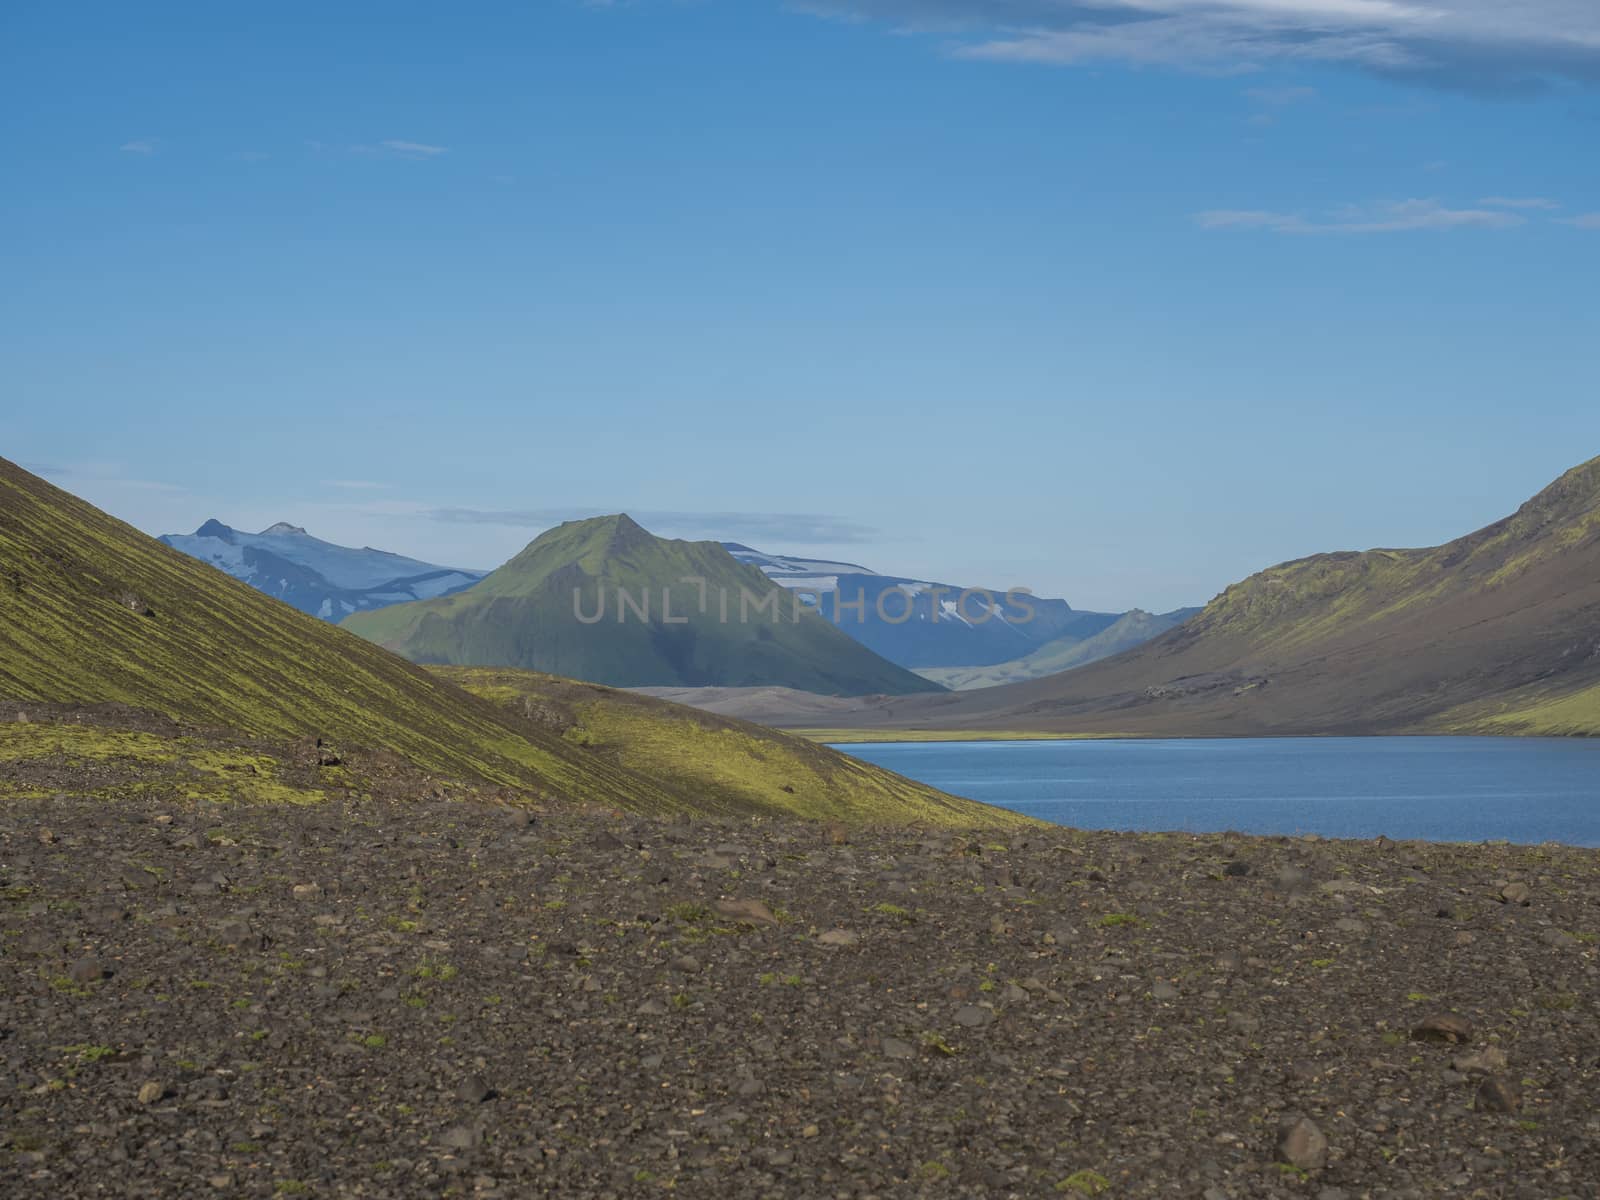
(400, 1000)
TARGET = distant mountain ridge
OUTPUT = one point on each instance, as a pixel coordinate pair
(606, 601)
(315, 576)
(927, 625)
(950, 633)
(1132, 629)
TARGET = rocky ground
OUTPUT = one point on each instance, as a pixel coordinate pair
(455, 998)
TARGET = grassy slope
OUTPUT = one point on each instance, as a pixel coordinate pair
(1529, 712)
(106, 762)
(522, 615)
(207, 650)
(212, 651)
(717, 762)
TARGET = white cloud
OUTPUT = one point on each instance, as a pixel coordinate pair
(356, 485)
(1475, 44)
(1584, 221)
(1531, 202)
(1408, 216)
(139, 146)
(414, 149)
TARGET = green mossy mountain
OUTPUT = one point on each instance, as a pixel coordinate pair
(93, 612)
(604, 600)
(1495, 632)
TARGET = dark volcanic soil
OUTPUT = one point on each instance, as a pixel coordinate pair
(448, 999)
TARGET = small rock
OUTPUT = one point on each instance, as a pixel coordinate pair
(1293, 879)
(972, 1016)
(1443, 1027)
(462, 1137)
(1498, 1094)
(895, 1048)
(87, 970)
(211, 1087)
(1164, 991)
(1516, 893)
(686, 964)
(1236, 869)
(1336, 887)
(307, 891)
(473, 1090)
(1560, 939)
(838, 937)
(1303, 1145)
(752, 912)
(151, 1092)
(810, 1131)
(1486, 1061)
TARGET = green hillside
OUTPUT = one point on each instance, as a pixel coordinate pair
(714, 761)
(92, 612)
(674, 633)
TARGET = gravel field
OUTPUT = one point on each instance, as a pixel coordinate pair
(438, 998)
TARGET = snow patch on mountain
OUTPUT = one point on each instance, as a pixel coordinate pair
(318, 577)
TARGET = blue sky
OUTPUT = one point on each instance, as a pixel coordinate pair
(1119, 303)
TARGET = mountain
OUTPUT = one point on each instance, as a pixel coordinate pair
(1497, 631)
(315, 576)
(606, 601)
(927, 624)
(102, 624)
(1129, 630)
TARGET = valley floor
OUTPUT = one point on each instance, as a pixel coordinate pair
(383, 1000)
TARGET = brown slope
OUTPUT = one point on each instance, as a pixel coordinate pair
(1379, 642)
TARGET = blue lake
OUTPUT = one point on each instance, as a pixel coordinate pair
(1444, 789)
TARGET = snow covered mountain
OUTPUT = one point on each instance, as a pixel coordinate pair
(926, 624)
(315, 576)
